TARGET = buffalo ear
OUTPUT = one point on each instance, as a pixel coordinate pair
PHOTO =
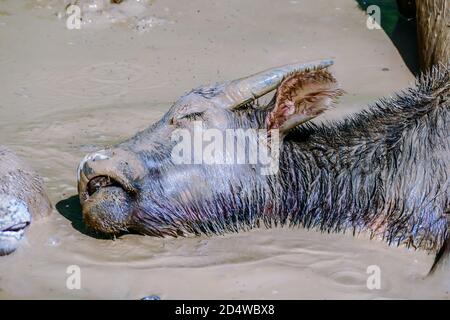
(301, 97)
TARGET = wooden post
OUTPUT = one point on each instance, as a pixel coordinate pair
(433, 31)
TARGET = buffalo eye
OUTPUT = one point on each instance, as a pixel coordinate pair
(175, 121)
(193, 116)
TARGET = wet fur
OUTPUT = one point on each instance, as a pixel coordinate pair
(385, 170)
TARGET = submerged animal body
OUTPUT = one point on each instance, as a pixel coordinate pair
(22, 198)
(385, 170)
(135, 14)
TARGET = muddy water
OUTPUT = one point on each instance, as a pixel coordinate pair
(64, 93)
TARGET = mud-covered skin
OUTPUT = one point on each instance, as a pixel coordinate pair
(148, 190)
(14, 219)
(22, 199)
(385, 171)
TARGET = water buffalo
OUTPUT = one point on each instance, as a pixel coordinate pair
(385, 170)
(22, 198)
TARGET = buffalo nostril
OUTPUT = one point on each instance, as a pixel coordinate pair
(84, 168)
(99, 182)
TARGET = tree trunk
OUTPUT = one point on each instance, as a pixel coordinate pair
(433, 31)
